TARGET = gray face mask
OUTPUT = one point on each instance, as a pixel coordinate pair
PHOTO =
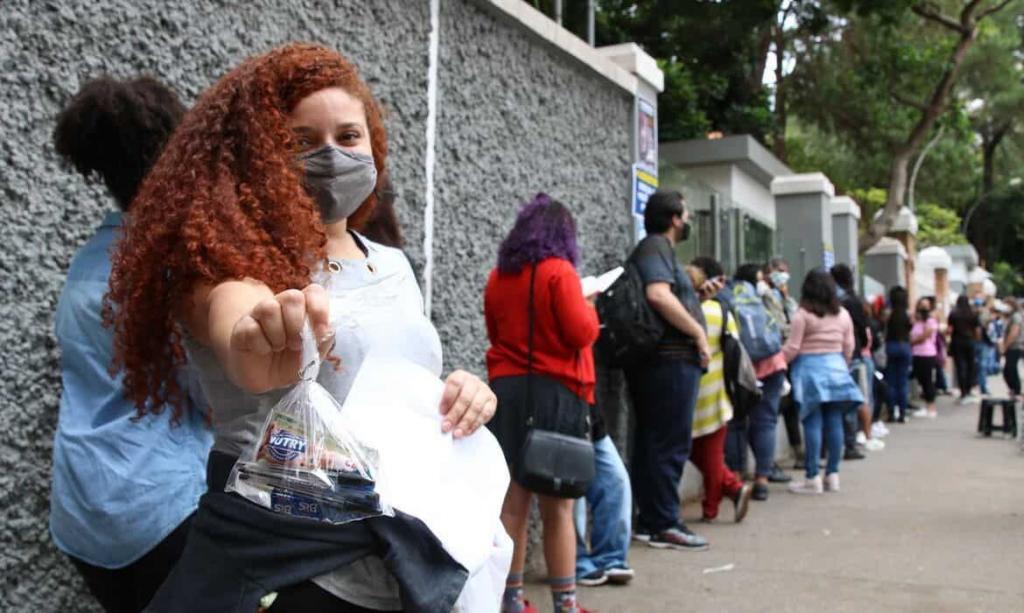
(338, 180)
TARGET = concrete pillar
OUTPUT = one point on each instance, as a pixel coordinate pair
(612, 396)
(905, 231)
(651, 82)
(886, 263)
(846, 231)
(803, 216)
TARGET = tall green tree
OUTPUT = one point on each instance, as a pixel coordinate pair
(713, 55)
(993, 86)
(963, 23)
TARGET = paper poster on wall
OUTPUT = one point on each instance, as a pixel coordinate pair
(644, 184)
(647, 134)
(829, 258)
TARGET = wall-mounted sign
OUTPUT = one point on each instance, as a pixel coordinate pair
(646, 134)
(644, 184)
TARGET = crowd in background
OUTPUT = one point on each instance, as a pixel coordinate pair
(731, 354)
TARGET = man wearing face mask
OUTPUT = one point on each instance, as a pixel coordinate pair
(664, 387)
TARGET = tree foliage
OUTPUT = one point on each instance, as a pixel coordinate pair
(938, 226)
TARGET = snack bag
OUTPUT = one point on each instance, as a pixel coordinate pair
(306, 463)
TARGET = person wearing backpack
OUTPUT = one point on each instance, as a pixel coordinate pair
(714, 406)
(762, 339)
(665, 382)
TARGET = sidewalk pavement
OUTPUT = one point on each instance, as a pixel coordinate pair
(933, 523)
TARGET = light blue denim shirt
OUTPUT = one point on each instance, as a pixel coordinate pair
(120, 485)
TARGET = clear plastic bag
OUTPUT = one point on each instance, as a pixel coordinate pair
(305, 462)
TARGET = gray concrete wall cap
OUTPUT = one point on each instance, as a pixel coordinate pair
(935, 258)
(547, 29)
(844, 205)
(906, 221)
(807, 183)
(631, 57)
(741, 150)
(888, 246)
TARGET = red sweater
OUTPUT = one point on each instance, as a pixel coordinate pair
(565, 326)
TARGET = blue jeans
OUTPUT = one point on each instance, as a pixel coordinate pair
(611, 506)
(982, 364)
(897, 376)
(664, 393)
(863, 372)
(758, 429)
(828, 419)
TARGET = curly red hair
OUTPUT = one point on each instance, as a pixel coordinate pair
(224, 201)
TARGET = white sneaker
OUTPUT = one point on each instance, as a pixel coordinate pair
(832, 483)
(861, 438)
(879, 430)
(807, 486)
(931, 414)
(920, 413)
(873, 444)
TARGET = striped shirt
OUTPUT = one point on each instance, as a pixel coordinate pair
(713, 407)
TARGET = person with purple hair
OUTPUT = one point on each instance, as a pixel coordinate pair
(540, 363)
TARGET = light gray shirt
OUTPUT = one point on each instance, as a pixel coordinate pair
(376, 309)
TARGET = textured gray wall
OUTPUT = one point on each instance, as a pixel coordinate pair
(515, 117)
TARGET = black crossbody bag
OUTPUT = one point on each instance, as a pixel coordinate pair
(551, 463)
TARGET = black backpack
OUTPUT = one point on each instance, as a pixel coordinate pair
(737, 371)
(630, 329)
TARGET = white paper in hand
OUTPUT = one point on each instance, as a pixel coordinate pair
(455, 487)
(598, 285)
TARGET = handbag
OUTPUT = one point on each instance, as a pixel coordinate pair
(551, 463)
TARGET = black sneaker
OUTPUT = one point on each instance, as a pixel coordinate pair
(620, 575)
(741, 502)
(760, 492)
(778, 475)
(594, 579)
(852, 453)
(680, 539)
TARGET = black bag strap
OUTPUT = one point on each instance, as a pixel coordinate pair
(725, 324)
(529, 351)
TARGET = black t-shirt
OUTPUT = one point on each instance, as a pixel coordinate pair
(897, 328)
(656, 261)
(855, 306)
(964, 325)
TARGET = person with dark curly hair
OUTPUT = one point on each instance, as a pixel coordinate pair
(819, 350)
(251, 211)
(124, 491)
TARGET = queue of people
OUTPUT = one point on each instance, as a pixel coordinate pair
(266, 212)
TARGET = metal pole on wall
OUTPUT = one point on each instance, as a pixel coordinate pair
(433, 46)
(558, 11)
(590, 22)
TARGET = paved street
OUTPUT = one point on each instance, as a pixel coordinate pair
(933, 523)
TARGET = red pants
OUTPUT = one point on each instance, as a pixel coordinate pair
(708, 455)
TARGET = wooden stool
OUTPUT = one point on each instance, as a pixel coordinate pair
(987, 411)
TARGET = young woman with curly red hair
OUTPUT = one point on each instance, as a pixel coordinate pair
(257, 194)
